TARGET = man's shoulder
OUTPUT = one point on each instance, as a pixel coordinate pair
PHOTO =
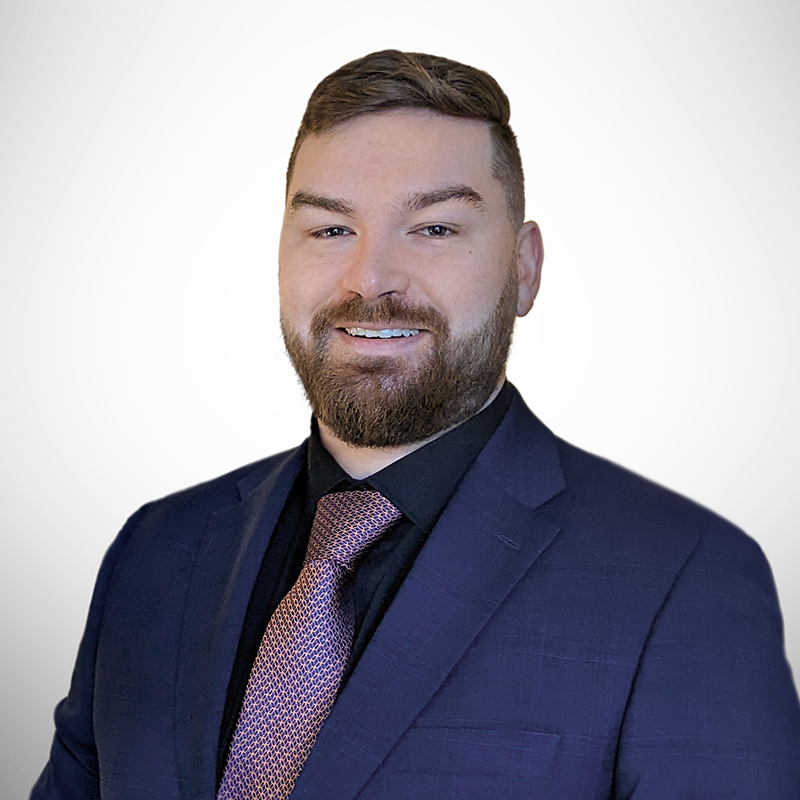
(188, 509)
(635, 514)
(625, 509)
(590, 476)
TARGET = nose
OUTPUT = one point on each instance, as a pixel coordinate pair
(374, 269)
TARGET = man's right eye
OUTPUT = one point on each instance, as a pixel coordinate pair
(330, 233)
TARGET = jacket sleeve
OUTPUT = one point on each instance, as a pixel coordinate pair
(72, 771)
(714, 712)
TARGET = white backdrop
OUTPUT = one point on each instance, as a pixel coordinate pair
(142, 152)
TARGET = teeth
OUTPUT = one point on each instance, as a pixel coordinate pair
(386, 333)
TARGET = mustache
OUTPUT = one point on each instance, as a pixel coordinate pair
(385, 309)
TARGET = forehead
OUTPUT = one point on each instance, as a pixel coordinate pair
(404, 150)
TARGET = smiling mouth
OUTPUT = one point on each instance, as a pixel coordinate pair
(385, 333)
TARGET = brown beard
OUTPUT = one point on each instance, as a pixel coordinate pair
(384, 401)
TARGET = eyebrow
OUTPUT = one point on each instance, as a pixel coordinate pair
(311, 200)
(417, 201)
(466, 194)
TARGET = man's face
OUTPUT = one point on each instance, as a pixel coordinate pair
(398, 275)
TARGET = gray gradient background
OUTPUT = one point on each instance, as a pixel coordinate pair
(142, 152)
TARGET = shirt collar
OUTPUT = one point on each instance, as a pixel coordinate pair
(421, 483)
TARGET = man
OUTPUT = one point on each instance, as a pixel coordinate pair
(526, 619)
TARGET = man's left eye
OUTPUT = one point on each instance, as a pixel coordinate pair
(436, 231)
(332, 232)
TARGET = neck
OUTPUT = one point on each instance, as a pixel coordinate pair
(361, 462)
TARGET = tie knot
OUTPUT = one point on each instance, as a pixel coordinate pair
(346, 523)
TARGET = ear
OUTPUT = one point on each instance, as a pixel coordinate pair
(530, 255)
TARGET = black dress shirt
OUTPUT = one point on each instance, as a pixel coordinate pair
(420, 485)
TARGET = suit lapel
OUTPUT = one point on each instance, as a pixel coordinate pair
(225, 571)
(490, 534)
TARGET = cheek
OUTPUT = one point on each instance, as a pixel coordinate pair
(301, 293)
(293, 301)
(470, 297)
(306, 283)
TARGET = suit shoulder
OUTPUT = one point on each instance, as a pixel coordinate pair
(590, 474)
(186, 508)
(598, 500)
(626, 503)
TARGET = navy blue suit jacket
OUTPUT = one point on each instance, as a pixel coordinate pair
(569, 631)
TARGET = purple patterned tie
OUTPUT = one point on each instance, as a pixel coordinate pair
(302, 656)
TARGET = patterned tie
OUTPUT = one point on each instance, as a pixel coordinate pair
(303, 654)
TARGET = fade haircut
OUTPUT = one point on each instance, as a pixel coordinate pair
(391, 79)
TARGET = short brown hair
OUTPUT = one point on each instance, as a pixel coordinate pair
(392, 79)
